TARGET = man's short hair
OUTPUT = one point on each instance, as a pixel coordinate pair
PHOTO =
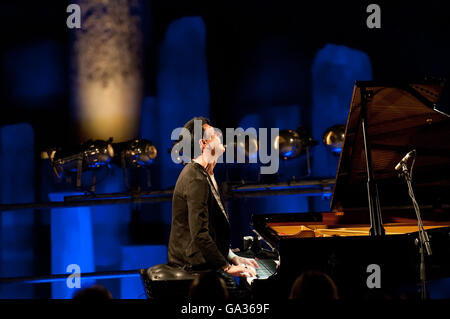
(208, 287)
(190, 127)
(95, 292)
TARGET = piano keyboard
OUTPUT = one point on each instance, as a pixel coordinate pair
(267, 267)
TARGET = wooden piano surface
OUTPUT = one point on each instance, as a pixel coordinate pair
(291, 230)
(339, 224)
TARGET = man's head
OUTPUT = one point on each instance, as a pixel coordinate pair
(95, 292)
(208, 287)
(190, 126)
(314, 285)
(209, 141)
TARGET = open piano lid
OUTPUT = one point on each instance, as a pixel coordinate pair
(401, 117)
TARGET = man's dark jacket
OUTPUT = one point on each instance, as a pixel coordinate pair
(200, 233)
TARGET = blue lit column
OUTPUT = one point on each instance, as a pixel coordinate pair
(334, 72)
(71, 243)
(182, 90)
(16, 227)
(182, 85)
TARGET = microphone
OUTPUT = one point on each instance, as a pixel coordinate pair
(405, 159)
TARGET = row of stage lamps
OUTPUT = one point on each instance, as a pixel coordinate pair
(99, 153)
(291, 143)
(140, 152)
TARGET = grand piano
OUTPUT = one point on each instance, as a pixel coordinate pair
(372, 220)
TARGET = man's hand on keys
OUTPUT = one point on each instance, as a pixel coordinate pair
(242, 271)
(244, 261)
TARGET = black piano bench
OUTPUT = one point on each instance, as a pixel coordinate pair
(164, 282)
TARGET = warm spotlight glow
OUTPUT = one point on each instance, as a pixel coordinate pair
(108, 81)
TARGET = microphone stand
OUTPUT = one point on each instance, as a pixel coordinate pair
(423, 242)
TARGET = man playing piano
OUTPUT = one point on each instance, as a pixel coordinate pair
(199, 238)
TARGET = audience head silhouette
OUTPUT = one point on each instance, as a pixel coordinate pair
(95, 292)
(208, 286)
(314, 285)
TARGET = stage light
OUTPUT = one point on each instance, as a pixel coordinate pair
(333, 138)
(292, 143)
(98, 153)
(92, 154)
(136, 153)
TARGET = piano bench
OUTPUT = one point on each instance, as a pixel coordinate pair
(166, 282)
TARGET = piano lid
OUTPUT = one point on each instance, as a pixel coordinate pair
(401, 117)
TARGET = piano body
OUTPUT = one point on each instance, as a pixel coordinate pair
(400, 117)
